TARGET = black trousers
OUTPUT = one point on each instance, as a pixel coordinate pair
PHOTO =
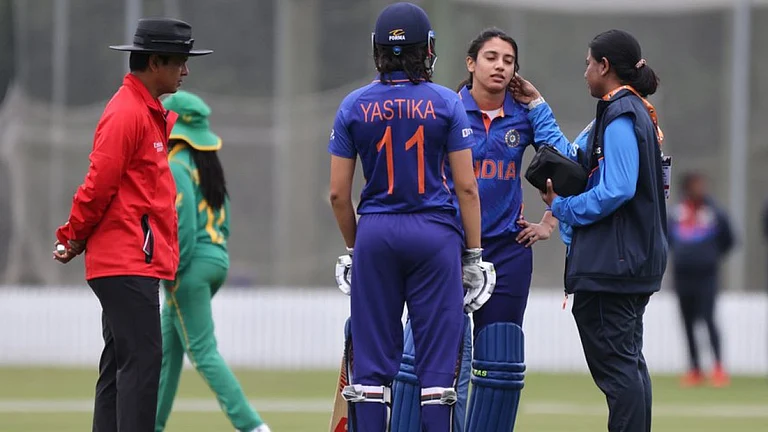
(129, 369)
(697, 294)
(611, 331)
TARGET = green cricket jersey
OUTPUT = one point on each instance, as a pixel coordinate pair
(203, 231)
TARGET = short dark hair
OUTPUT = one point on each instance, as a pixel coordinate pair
(411, 59)
(477, 44)
(139, 61)
(624, 54)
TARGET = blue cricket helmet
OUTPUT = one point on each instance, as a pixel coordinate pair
(401, 24)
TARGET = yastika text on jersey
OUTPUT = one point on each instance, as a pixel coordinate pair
(402, 108)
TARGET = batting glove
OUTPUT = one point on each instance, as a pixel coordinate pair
(344, 272)
(478, 278)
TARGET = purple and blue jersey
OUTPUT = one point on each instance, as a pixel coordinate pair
(498, 156)
(402, 133)
(699, 236)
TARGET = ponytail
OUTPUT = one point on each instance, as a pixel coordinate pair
(625, 57)
(645, 81)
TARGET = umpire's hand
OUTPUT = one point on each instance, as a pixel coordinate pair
(65, 254)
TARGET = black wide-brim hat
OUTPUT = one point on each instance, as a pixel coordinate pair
(163, 36)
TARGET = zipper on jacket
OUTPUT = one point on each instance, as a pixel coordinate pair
(148, 245)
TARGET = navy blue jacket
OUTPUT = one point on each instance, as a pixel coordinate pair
(624, 250)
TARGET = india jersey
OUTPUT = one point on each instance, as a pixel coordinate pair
(402, 133)
(498, 157)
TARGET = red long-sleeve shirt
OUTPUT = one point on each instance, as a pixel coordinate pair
(125, 208)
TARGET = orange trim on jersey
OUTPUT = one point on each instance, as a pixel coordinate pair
(648, 106)
(487, 120)
(595, 168)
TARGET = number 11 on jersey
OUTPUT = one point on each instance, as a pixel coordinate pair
(417, 139)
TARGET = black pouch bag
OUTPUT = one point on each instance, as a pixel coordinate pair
(568, 177)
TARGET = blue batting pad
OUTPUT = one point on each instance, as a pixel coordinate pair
(498, 370)
(406, 388)
(462, 381)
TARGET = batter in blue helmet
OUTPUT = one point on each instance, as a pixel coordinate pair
(408, 246)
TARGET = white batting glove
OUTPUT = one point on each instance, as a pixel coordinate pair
(478, 278)
(344, 272)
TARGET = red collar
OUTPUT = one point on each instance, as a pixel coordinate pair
(131, 81)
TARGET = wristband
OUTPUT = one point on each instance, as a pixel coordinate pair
(536, 102)
(473, 255)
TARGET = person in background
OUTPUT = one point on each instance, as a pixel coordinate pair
(700, 236)
(202, 204)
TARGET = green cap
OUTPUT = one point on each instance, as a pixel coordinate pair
(192, 125)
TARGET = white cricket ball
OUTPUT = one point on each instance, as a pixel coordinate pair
(61, 249)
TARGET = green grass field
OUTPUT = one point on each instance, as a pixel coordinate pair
(47, 400)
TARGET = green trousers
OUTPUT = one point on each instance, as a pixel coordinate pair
(187, 325)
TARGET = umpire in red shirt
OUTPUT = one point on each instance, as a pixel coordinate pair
(124, 218)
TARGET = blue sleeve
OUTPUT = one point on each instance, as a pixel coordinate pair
(546, 130)
(460, 132)
(580, 143)
(618, 172)
(340, 143)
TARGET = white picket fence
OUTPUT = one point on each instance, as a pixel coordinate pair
(282, 327)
